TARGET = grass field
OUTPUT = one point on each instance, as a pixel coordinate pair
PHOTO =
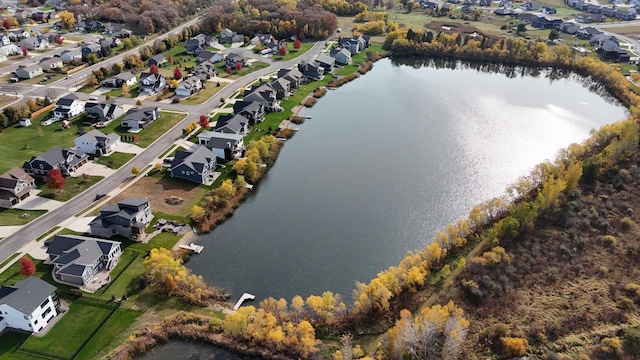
(293, 53)
(119, 322)
(13, 217)
(152, 132)
(235, 74)
(115, 160)
(73, 187)
(205, 94)
(134, 91)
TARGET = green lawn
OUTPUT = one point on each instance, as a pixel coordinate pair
(19, 144)
(152, 132)
(115, 160)
(205, 94)
(119, 322)
(10, 217)
(74, 332)
(293, 53)
(134, 91)
(9, 342)
(222, 70)
(73, 187)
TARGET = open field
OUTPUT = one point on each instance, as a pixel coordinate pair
(12, 217)
(235, 74)
(293, 53)
(210, 89)
(73, 187)
(166, 121)
(115, 160)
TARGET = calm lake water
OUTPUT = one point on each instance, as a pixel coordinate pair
(385, 161)
(182, 350)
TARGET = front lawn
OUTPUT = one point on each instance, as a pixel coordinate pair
(75, 327)
(235, 74)
(73, 187)
(115, 160)
(293, 53)
(205, 94)
(148, 135)
(9, 217)
(134, 91)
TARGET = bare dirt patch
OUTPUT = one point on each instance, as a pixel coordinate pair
(157, 190)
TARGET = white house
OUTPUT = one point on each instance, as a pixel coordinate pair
(189, 86)
(19, 34)
(68, 106)
(96, 142)
(4, 39)
(152, 83)
(71, 55)
(10, 50)
(29, 305)
(225, 146)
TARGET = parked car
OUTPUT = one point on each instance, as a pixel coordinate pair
(93, 98)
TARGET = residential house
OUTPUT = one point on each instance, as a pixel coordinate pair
(40, 16)
(273, 47)
(312, 69)
(232, 124)
(128, 218)
(198, 165)
(252, 110)
(15, 186)
(29, 305)
(327, 62)
(485, 2)
(282, 87)
(77, 259)
(97, 143)
(504, 12)
(265, 95)
(138, 119)
(204, 71)
(94, 48)
(89, 25)
(466, 9)
(261, 39)
(111, 28)
(34, 43)
(355, 44)
(224, 146)
(295, 77)
(230, 37)
(68, 106)
(544, 22)
(152, 83)
(610, 50)
(594, 9)
(193, 47)
(548, 10)
(118, 80)
(607, 11)
(234, 58)
(66, 160)
(123, 34)
(189, 86)
(599, 40)
(529, 6)
(569, 28)
(10, 50)
(29, 72)
(114, 42)
(210, 57)
(68, 56)
(18, 34)
(205, 40)
(53, 37)
(527, 17)
(588, 32)
(103, 112)
(627, 15)
(507, 4)
(51, 63)
(4, 40)
(157, 60)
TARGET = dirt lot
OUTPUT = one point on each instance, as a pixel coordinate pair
(158, 189)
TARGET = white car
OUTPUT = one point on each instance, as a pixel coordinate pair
(93, 98)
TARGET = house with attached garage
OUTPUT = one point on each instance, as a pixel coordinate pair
(68, 106)
(205, 40)
(77, 259)
(193, 47)
(66, 160)
(157, 60)
(311, 69)
(189, 86)
(92, 48)
(225, 146)
(197, 165)
(588, 32)
(261, 39)
(10, 50)
(18, 34)
(138, 119)
(15, 186)
(252, 110)
(33, 43)
(28, 305)
(104, 111)
(234, 58)
(265, 95)
(341, 56)
(152, 83)
(282, 87)
(127, 218)
(123, 34)
(355, 44)
(295, 77)
(327, 62)
(210, 57)
(569, 28)
(544, 22)
(204, 71)
(228, 36)
(118, 80)
(29, 72)
(97, 143)
(68, 56)
(232, 124)
(51, 63)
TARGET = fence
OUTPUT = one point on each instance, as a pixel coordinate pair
(46, 108)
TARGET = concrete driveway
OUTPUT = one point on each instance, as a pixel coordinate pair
(129, 148)
(81, 224)
(34, 202)
(92, 168)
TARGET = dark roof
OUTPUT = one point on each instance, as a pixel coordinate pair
(219, 140)
(26, 295)
(67, 100)
(233, 122)
(196, 160)
(133, 201)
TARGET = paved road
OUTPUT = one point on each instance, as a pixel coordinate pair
(34, 229)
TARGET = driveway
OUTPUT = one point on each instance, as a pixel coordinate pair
(81, 224)
(129, 148)
(34, 202)
(92, 168)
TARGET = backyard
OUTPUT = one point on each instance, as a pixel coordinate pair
(166, 121)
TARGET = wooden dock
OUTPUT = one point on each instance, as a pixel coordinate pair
(193, 247)
(243, 298)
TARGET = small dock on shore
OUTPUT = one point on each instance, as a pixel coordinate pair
(193, 247)
(243, 298)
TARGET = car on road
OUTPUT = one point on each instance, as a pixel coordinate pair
(93, 98)
(99, 196)
(31, 56)
(68, 77)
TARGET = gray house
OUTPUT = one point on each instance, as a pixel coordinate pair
(15, 186)
(282, 87)
(311, 69)
(68, 56)
(252, 110)
(204, 71)
(232, 124)
(77, 259)
(327, 62)
(264, 94)
(138, 119)
(51, 63)
(189, 86)
(342, 56)
(128, 218)
(119, 79)
(152, 83)
(29, 72)
(225, 146)
(210, 57)
(103, 112)
(197, 166)
(96, 142)
(67, 160)
(234, 58)
(157, 60)
(295, 77)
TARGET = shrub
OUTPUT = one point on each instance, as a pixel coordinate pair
(632, 289)
(297, 119)
(309, 102)
(318, 93)
(632, 341)
(609, 240)
(514, 346)
(175, 100)
(626, 223)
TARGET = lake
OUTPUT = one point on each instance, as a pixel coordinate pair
(383, 163)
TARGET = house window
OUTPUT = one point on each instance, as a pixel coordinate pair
(44, 303)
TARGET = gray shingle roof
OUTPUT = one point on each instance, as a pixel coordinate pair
(26, 295)
(195, 160)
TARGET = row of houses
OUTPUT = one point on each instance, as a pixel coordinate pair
(612, 12)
